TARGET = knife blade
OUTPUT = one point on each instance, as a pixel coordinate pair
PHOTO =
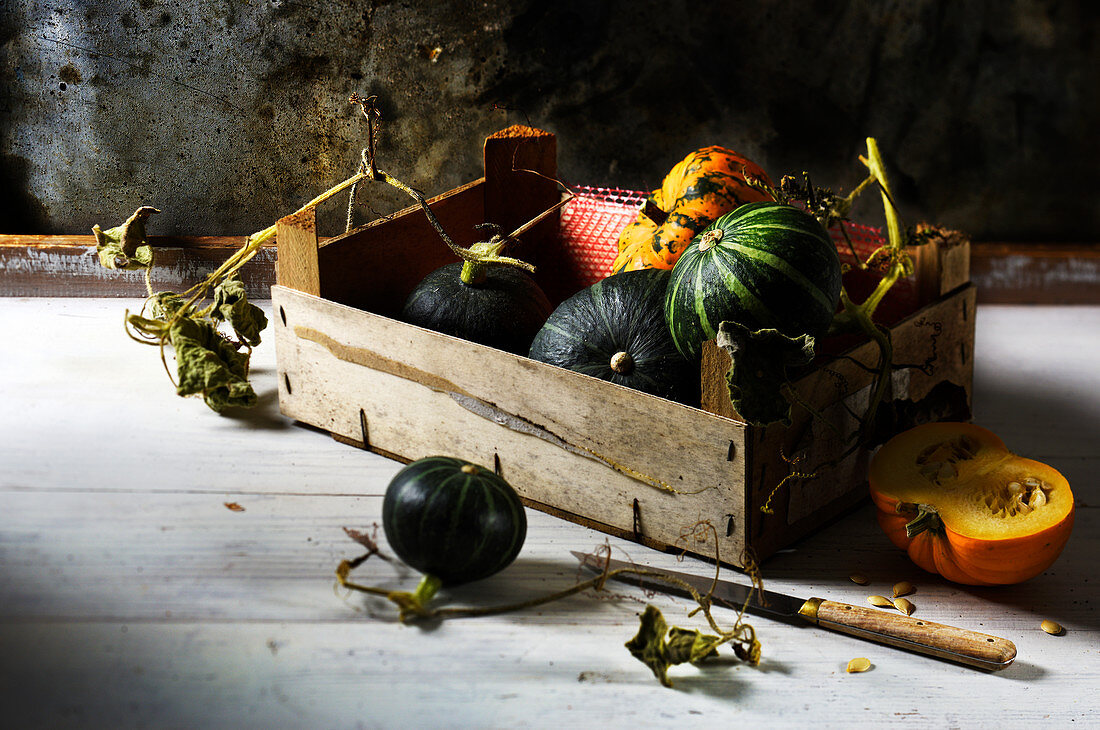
(892, 629)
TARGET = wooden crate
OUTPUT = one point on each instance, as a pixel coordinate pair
(625, 462)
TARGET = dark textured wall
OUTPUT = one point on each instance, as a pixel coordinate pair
(228, 114)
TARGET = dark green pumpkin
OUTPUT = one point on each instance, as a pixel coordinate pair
(615, 330)
(504, 310)
(453, 520)
(764, 266)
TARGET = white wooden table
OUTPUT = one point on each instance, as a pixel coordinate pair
(131, 596)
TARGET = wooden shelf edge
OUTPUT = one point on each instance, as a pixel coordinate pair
(65, 265)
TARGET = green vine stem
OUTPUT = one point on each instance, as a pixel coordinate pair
(477, 257)
(412, 606)
(255, 242)
(859, 317)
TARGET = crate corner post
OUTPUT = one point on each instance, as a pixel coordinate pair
(297, 252)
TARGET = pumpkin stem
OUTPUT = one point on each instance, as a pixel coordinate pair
(651, 211)
(710, 238)
(927, 519)
(426, 589)
(622, 363)
(473, 273)
(482, 255)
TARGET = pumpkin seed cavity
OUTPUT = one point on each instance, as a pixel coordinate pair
(937, 461)
(1018, 497)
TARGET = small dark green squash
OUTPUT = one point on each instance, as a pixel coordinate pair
(615, 330)
(764, 266)
(498, 306)
(453, 521)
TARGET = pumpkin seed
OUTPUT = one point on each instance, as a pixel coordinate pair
(904, 588)
(859, 579)
(880, 601)
(1031, 482)
(859, 664)
(905, 606)
(1037, 499)
(1052, 627)
(1015, 488)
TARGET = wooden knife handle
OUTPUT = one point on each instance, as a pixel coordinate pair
(906, 632)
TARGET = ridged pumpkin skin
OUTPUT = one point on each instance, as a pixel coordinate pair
(505, 311)
(620, 314)
(703, 186)
(765, 265)
(454, 520)
(959, 476)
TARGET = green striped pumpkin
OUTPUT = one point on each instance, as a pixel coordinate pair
(764, 266)
(453, 520)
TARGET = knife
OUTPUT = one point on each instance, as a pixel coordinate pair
(894, 629)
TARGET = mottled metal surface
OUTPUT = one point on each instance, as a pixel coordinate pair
(227, 114)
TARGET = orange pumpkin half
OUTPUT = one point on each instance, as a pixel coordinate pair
(705, 185)
(962, 505)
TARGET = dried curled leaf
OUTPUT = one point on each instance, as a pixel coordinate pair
(652, 648)
(231, 305)
(165, 304)
(209, 365)
(759, 370)
(124, 246)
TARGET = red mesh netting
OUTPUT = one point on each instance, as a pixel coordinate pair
(591, 223)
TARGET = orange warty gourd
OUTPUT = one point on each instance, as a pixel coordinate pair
(703, 186)
(962, 505)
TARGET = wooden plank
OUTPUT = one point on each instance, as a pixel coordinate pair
(515, 194)
(65, 265)
(637, 462)
(941, 266)
(1037, 273)
(376, 266)
(256, 635)
(296, 237)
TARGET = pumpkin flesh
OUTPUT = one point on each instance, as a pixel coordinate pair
(962, 505)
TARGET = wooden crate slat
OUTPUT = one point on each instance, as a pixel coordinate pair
(296, 237)
(561, 438)
(375, 266)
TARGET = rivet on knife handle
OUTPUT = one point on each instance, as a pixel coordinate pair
(905, 632)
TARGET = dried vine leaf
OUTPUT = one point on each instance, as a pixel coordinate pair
(759, 370)
(124, 246)
(231, 304)
(165, 304)
(209, 365)
(651, 647)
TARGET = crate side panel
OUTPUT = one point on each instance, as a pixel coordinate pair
(443, 402)
(934, 348)
(374, 267)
